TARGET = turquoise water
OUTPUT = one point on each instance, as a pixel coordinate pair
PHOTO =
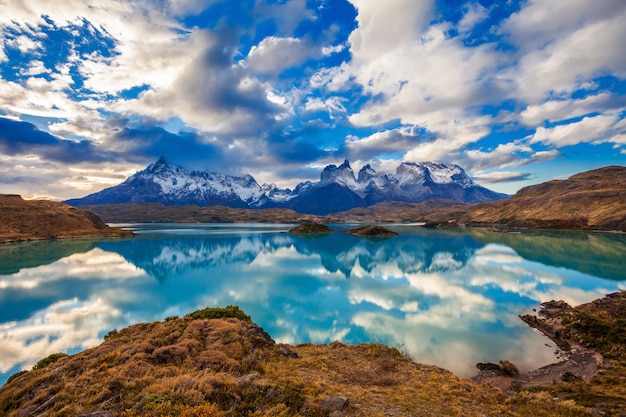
(446, 297)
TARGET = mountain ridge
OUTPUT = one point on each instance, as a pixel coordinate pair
(337, 190)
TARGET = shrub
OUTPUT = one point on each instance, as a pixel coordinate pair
(16, 375)
(220, 313)
(170, 318)
(508, 368)
(50, 359)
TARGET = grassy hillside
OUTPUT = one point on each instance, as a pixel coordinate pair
(432, 210)
(153, 212)
(40, 220)
(435, 210)
(589, 200)
(216, 362)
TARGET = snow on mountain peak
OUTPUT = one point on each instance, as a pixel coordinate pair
(341, 174)
(436, 172)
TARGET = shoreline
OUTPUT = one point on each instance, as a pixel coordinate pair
(579, 363)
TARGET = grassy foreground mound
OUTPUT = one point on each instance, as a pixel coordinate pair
(40, 220)
(216, 362)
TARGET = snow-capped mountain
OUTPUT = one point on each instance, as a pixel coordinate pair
(171, 185)
(338, 189)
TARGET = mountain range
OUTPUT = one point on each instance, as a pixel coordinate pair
(337, 190)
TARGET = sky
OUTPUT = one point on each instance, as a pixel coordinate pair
(515, 92)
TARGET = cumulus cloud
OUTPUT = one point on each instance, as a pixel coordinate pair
(380, 143)
(592, 129)
(20, 138)
(503, 176)
(474, 13)
(273, 54)
(557, 110)
(563, 46)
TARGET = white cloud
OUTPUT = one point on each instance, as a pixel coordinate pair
(501, 176)
(588, 130)
(25, 44)
(387, 26)
(274, 54)
(385, 141)
(37, 178)
(555, 110)
(474, 14)
(416, 75)
(540, 22)
(564, 45)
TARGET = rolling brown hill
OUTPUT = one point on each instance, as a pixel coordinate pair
(592, 200)
(158, 213)
(40, 220)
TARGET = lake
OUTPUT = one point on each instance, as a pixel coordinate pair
(445, 297)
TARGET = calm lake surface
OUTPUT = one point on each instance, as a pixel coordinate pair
(446, 297)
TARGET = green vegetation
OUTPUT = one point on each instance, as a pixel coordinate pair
(48, 360)
(210, 313)
(508, 368)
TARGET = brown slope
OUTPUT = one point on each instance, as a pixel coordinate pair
(590, 200)
(40, 220)
(434, 210)
(158, 213)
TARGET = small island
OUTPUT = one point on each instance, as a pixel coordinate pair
(372, 231)
(310, 228)
(364, 231)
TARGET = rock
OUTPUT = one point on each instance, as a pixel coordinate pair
(284, 349)
(335, 403)
(552, 308)
(489, 368)
(247, 378)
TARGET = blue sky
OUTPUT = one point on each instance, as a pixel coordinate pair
(515, 92)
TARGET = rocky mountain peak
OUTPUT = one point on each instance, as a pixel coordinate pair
(341, 174)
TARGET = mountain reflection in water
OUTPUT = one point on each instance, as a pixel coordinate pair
(446, 297)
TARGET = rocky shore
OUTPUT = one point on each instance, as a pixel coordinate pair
(591, 340)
